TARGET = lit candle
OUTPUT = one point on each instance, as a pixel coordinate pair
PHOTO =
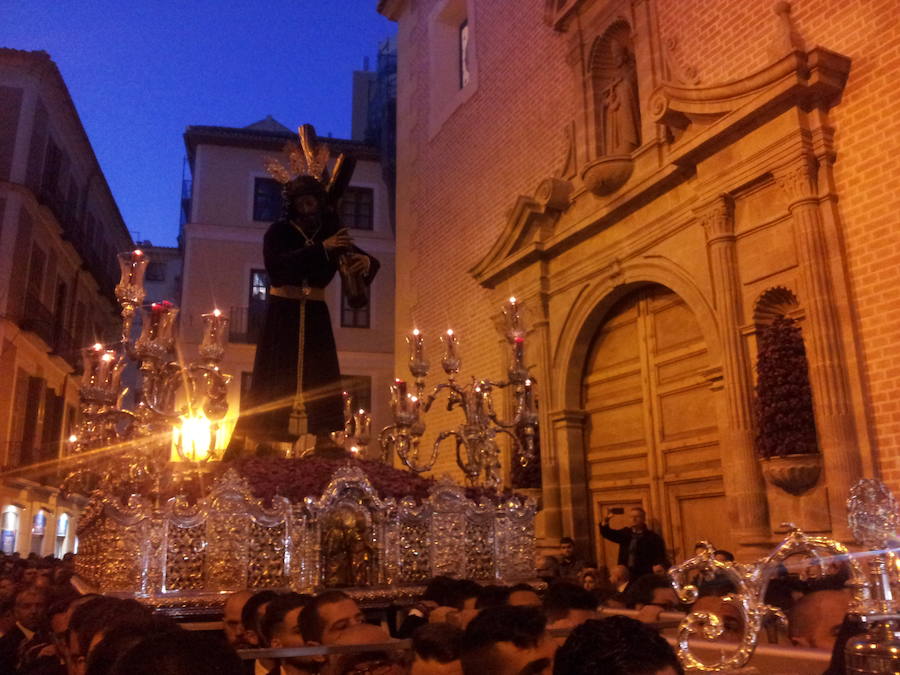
(451, 360)
(514, 328)
(518, 350)
(528, 403)
(158, 330)
(215, 335)
(132, 267)
(363, 423)
(418, 363)
(102, 373)
(398, 397)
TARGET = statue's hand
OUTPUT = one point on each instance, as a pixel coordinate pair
(340, 239)
(359, 263)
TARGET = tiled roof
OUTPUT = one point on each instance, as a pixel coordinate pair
(255, 137)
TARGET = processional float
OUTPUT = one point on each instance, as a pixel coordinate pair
(170, 524)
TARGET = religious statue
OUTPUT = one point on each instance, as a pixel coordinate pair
(621, 119)
(296, 388)
(346, 555)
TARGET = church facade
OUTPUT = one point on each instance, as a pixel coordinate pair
(660, 181)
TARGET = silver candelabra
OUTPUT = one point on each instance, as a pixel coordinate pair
(476, 447)
(144, 436)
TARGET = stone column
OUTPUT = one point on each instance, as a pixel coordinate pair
(744, 484)
(568, 439)
(831, 399)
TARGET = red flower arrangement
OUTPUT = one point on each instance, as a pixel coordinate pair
(784, 408)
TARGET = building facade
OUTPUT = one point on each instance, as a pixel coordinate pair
(233, 201)
(659, 180)
(60, 229)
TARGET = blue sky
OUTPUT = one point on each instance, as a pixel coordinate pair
(141, 72)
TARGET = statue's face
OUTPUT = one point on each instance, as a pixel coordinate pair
(305, 205)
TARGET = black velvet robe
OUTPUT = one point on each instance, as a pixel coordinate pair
(290, 261)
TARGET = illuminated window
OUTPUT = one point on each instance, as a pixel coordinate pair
(62, 531)
(9, 529)
(38, 530)
(256, 306)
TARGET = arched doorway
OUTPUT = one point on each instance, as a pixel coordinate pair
(651, 437)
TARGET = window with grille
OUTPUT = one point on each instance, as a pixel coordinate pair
(156, 271)
(357, 208)
(266, 199)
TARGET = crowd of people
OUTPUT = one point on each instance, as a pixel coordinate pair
(582, 619)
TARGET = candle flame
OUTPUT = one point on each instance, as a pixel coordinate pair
(97, 347)
(73, 438)
(416, 332)
(413, 398)
(528, 383)
(449, 331)
(216, 313)
(362, 412)
(137, 253)
(512, 299)
(106, 357)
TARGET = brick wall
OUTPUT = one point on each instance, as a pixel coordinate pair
(456, 187)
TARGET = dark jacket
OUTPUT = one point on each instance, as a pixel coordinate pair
(650, 549)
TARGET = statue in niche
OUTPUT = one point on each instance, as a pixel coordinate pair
(346, 555)
(619, 99)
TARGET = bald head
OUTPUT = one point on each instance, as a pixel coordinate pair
(816, 618)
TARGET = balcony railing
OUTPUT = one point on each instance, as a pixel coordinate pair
(37, 318)
(245, 325)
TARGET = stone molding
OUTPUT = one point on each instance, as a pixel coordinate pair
(717, 218)
(528, 226)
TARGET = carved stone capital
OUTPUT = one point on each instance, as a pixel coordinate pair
(798, 181)
(717, 218)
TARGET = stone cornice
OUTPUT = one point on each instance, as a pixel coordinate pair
(712, 116)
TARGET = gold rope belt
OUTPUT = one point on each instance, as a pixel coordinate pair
(298, 292)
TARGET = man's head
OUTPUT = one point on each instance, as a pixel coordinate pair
(374, 662)
(567, 547)
(328, 615)
(724, 556)
(30, 608)
(638, 518)
(619, 575)
(29, 574)
(8, 588)
(617, 645)
(231, 617)
(251, 615)
(816, 618)
(280, 625)
(508, 641)
(568, 605)
(436, 650)
(523, 595)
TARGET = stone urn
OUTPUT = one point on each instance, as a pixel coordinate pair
(795, 474)
(607, 174)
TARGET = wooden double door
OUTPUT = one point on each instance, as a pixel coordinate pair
(652, 436)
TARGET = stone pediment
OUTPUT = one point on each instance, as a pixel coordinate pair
(701, 119)
(529, 224)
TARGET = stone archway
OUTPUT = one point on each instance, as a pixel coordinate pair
(651, 432)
